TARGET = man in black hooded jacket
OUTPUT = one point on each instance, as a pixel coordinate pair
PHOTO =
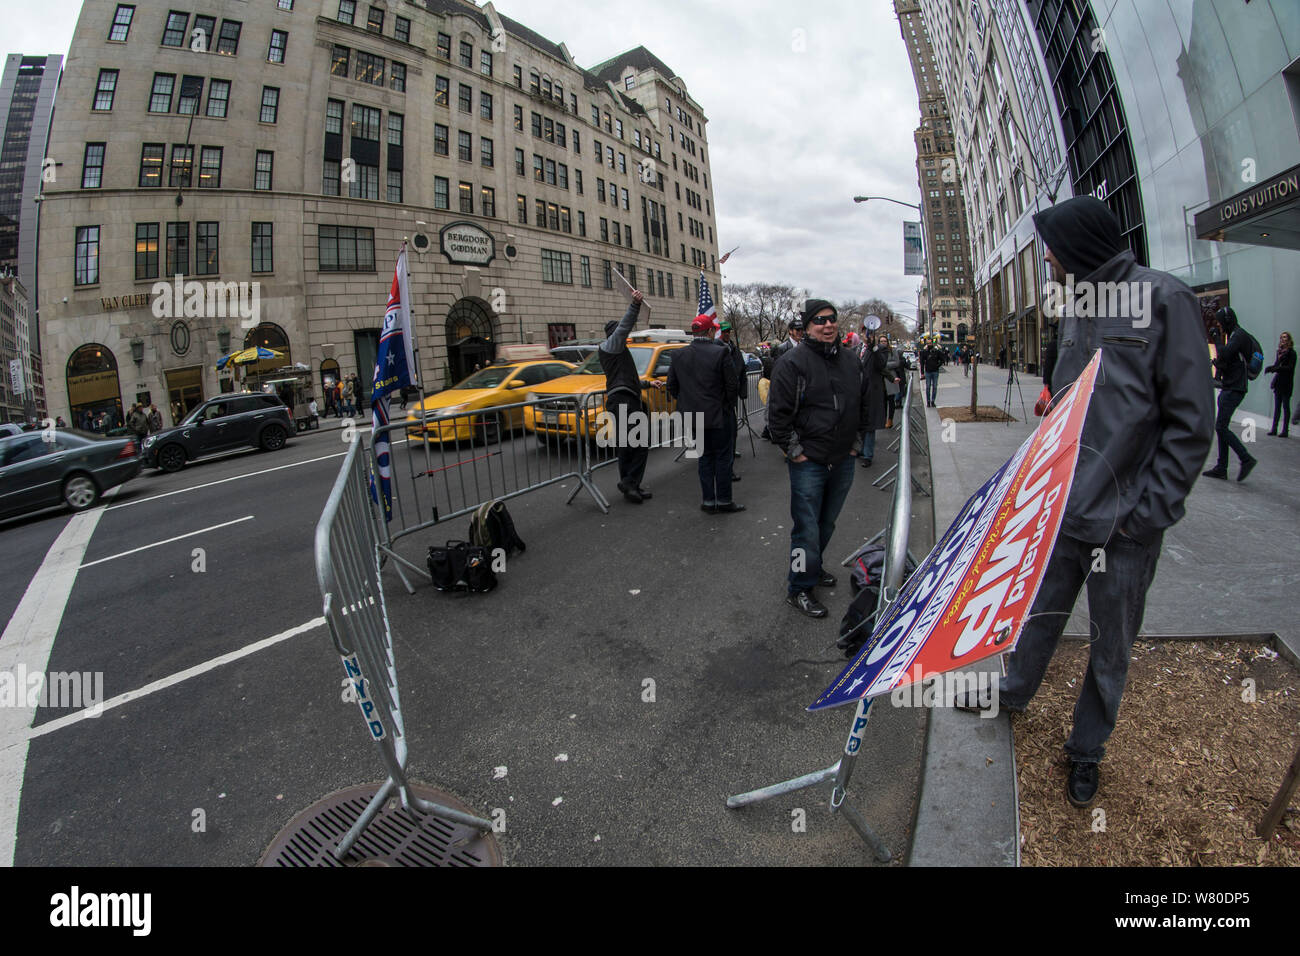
(1230, 366)
(1144, 441)
(818, 412)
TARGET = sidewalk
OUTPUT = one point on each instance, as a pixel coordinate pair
(1224, 571)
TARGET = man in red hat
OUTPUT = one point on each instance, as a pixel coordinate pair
(703, 380)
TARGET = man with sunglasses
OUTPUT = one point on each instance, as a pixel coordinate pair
(818, 414)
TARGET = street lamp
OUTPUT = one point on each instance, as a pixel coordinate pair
(925, 250)
(887, 199)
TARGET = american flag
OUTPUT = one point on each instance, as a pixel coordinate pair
(707, 311)
(394, 370)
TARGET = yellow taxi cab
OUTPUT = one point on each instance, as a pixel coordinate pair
(557, 415)
(504, 384)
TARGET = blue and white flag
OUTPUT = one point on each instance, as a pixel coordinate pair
(394, 369)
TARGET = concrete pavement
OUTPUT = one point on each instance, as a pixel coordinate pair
(1227, 569)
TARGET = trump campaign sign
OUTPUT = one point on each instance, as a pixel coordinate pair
(972, 594)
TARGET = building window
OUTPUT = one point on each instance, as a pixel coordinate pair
(279, 44)
(519, 118)
(627, 83)
(488, 201)
(330, 178)
(466, 192)
(340, 61)
(465, 145)
(550, 172)
(187, 102)
(584, 264)
(347, 11)
(160, 97)
(370, 69)
(582, 223)
(365, 122)
(366, 183)
(671, 293)
(396, 129)
(228, 41)
(92, 166)
(284, 4)
(121, 23)
(466, 99)
(485, 151)
(218, 98)
(440, 197)
(537, 124)
(345, 249)
(210, 167)
(577, 181)
(623, 192)
(485, 105)
(178, 248)
(402, 30)
(182, 166)
(557, 267)
(207, 260)
(394, 186)
(604, 230)
(541, 214)
(444, 46)
(262, 169)
(521, 210)
(519, 77)
(397, 77)
(375, 20)
(87, 255)
(562, 176)
(609, 273)
(566, 220)
(146, 250)
(440, 144)
(174, 31)
(485, 62)
(270, 104)
(467, 55)
(519, 162)
(538, 174)
(441, 90)
(334, 116)
(151, 160)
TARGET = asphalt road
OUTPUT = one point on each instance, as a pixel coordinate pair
(546, 677)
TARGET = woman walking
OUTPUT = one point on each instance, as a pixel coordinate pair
(1283, 369)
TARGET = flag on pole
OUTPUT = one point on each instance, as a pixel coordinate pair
(707, 311)
(394, 369)
(727, 256)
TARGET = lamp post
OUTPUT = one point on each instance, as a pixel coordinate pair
(920, 213)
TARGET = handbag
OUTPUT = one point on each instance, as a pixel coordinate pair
(460, 565)
(891, 387)
(1044, 399)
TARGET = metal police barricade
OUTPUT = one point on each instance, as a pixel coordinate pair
(661, 427)
(842, 770)
(444, 466)
(347, 570)
(920, 447)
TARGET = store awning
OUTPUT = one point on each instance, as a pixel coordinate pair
(1267, 214)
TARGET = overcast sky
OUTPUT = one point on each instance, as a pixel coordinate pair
(808, 104)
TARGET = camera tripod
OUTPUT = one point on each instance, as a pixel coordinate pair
(1013, 376)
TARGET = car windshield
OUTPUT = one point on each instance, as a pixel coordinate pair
(591, 365)
(489, 377)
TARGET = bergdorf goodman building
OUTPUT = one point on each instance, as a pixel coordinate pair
(274, 156)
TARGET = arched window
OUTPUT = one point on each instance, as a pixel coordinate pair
(269, 336)
(469, 338)
(94, 392)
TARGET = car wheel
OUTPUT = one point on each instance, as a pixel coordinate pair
(544, 441)
(272, 438)
(171, 458)
(491, 428)
(80, 492)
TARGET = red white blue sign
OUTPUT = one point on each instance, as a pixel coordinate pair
(972, 594)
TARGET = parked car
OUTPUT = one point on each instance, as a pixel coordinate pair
(233, 420)
(574, 352)
(45, 469)
(752, 362)
(8, 429)
(432, 419)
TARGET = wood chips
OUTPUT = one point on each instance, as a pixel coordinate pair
(1189, 771)
(986, 413)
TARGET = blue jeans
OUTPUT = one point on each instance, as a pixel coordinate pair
(1228, 402)
(869, 445)
(931, 386)
(1116, 602)
(817, 494)
(715, 466)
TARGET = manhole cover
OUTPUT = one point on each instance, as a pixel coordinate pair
(396, 837)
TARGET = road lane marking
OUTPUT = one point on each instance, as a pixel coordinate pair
(222, 481)
(165, 682)
(27, 641)
(156, 544)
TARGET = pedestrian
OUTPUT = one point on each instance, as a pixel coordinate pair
(138, 421)
(874, 358)
(329, 398)
(623, 402)
(1002, 357)
(313, 410)
(794, 335)
(359, 392)
(931, 362)
(348, 408)
(893, 380)
(702, 379)
(1148, 429)
(59, 422)
(155, 419)
(338, 400)
(820, 416)
(1232, 380)
(737, 358)
(1283, 369)
(1049, 357)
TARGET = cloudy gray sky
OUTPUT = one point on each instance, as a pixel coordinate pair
(808, 105)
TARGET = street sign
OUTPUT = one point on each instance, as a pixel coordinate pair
(16, 376)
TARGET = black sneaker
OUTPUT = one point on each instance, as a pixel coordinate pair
(1221, 473)
(729, 508)
(1247, 467)
(826, 580)
(866, 462)
(805, 603)
(1081, 788)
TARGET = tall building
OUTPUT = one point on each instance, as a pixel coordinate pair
(27, 89)
(17, 403)
(279, 153)
(947, 255)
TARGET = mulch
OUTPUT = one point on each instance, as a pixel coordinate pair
(984, 413)
(1189, 771)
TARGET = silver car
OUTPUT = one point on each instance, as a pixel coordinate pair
(47, 468)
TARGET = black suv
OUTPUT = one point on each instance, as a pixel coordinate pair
(235, 420)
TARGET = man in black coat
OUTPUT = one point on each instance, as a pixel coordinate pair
(623, 400)
(818, 411)
(702, 379)
(1230, 372)
(737, 359)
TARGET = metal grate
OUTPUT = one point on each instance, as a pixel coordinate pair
(396, 837)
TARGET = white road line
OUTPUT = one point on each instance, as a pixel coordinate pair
(26, 643)
(251, 474)
(165, 682)
(224, 524)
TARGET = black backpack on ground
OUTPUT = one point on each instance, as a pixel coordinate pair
(492, 528)
(461, 566)
(867, 568)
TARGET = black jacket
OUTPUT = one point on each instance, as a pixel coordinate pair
(1230, 362)
(818, 404)
(621, 380)
(703, 379)
(874, 366)
(738, 360)
(931, 360)
(1284, 367)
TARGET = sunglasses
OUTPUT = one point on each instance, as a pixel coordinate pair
(822, 320)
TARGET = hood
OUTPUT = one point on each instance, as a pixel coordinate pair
(453, 396)
(1081, 232)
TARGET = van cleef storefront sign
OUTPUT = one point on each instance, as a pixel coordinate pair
(1276, 195)
(466, 243)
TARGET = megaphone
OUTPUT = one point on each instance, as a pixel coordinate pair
(871, 323)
